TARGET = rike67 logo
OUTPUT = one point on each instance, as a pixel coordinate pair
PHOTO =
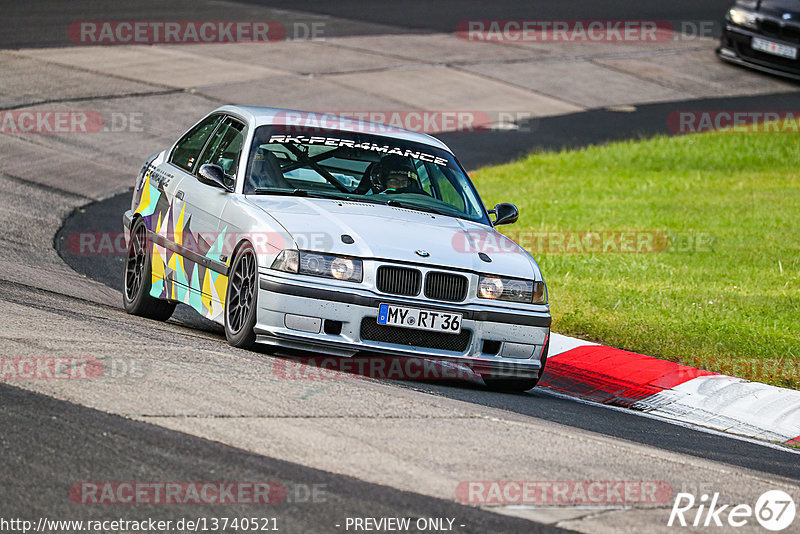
(774, 510)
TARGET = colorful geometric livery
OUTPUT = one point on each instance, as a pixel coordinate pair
(175, 277)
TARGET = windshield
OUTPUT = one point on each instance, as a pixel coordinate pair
(363, 167)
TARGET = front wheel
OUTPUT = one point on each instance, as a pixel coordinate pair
(241, 299)
(518, 385)
(138, 278)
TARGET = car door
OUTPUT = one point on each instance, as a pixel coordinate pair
(165, 209)
(205, 238)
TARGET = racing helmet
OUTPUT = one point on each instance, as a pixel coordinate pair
(395, 173)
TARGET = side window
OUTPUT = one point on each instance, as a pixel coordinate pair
(188, 148)
(225, 147)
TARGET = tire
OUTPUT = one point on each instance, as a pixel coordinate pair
(517, 385)
(137, 279)
(241, 299)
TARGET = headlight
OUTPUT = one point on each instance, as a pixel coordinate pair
(490, 288)
(325, 265)
(742, 17)
(344, 269)
(513, 290)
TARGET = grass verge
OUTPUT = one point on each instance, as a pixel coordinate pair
(715, 217)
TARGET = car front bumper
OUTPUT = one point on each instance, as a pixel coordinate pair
(335, 321)
(735, 47)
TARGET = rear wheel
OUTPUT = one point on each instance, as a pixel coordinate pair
(517, 385)
(241, 299)
(137, 279)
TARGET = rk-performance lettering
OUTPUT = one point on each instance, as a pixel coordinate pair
(373, 147)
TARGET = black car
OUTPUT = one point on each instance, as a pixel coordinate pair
(764, 35)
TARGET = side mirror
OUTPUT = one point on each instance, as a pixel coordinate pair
(214, 176)
(505, 213)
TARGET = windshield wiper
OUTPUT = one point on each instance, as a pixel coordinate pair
(304, 193)
(409, 206)
(335, 196)
(285, 192)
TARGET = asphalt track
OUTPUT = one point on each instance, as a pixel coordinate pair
(40, 24)
(54, 442)
(444, 15)
(81, 444)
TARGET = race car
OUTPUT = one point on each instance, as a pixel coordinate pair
(763, 35)
(322, 234)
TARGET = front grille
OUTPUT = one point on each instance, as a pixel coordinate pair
(399, 280)
(791, 34)
(446, 286)
(769, 27)
(785, 32)
(372, 331)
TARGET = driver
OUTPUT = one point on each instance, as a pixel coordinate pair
(397, 174)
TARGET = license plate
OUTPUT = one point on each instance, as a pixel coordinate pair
(776, 49)
(436, 321)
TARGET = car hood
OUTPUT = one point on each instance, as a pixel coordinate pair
(777, 8)
(391, 233)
